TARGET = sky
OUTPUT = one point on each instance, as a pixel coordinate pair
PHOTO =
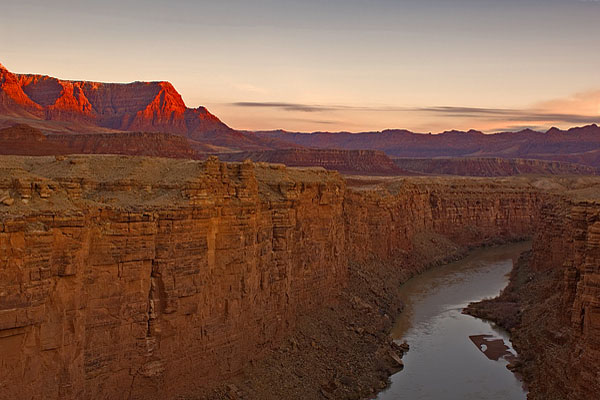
(330, 65)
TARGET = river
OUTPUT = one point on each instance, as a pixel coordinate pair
(450, 355)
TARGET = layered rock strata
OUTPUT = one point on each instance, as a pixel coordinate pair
(153, 278)
(560, 330)
(552, 304)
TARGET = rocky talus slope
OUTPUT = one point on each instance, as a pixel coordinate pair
(153, 278)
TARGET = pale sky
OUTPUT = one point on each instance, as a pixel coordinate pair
(306, 65)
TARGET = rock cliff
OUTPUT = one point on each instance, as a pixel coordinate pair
(552, 303)
(152, 278)
(560, 331)
(149, 278)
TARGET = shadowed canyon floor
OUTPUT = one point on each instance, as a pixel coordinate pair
(133, 277)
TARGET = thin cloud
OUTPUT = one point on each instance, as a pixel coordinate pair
(288, 106)
(283, 106)
(316, 107)
(489, 114)
(517, 128)
(312, 121)
(511, 114)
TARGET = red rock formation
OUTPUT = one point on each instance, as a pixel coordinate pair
(366, 162)
(139, 106)
(13, 100)
(150, 278)
(491, 166)
(25, 140)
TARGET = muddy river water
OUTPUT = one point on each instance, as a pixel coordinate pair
(452, 355)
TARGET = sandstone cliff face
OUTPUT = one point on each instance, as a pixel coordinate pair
(560, 333)
(469, 212)
(149, 278)
(118, 286)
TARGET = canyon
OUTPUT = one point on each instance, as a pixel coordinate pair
(173, 274)
(161, 275)
(135, 277)
(551, 305)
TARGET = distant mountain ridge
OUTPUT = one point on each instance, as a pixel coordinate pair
(578, 145)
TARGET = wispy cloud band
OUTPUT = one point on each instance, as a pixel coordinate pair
(495, 114)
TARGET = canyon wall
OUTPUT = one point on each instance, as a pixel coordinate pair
(173, 285)
(135, 278)
(469, 212)
(559, 337)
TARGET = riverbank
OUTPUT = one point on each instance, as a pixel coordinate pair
(344, 351)
(518, 309)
